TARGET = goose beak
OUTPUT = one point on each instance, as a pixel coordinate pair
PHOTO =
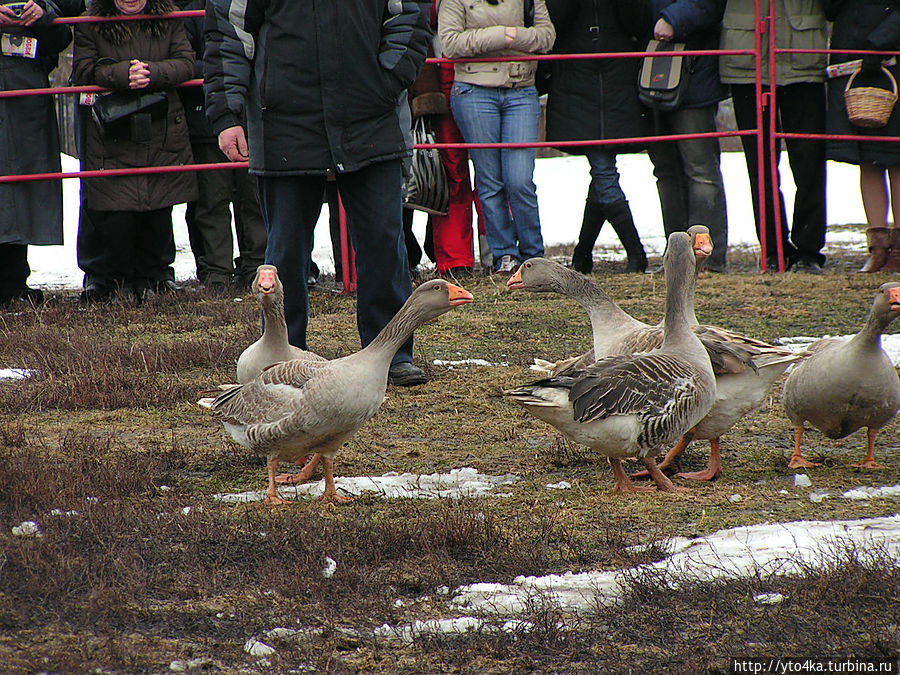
(703, 247)
(515, 281)
(266, 282)
(458, 295)
(894, 297)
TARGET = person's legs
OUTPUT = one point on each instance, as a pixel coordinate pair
(705, 188)
(14, 273)
(744, 99)
(874, 191)
(477, 113)
(249, 225)
(603, 189)
(519, 114)
(801, 108)
(452, 233)
(290, 207)
(209, 219)
(894, 183)
(110, 236)
(671, 183)
(154, 251)
(371, 197)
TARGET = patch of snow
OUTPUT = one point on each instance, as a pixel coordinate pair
(872, 492)
(465, 482)
(769, 598)
(890, 343)
(561, 485)
(802, 480)
(14, 373)
(783, 548)
(468, 362)
(735, 498)
(28, 528)
(330, 567)
(256, 648)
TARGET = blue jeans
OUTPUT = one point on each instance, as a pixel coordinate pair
(688, 174)
(371, 196)
(505, 178)
(604, 188)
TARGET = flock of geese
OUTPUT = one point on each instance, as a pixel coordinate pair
(640, 391)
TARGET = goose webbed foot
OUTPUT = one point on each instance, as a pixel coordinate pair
(302, 476)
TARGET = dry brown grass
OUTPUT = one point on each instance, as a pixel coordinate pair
(108, 427)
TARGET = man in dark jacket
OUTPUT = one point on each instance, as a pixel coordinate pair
(688, 174)
(209, 218)
(322, 100)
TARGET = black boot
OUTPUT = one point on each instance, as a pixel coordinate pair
(619, 216)
(582, 256)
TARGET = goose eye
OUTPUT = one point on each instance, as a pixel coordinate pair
(528, 265)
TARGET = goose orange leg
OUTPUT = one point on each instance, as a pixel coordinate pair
(797, 460)
(623, 483)
(713, 469)
(869, 461)
(330, 496)
(302, 476)
(272, 496)
(663, 484)
(670, 457)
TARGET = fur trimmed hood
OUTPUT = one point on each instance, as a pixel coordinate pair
(118, 32)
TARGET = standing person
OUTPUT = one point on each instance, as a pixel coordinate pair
(31, 212)
(690, 167)
(311, 114)
(592, 99)
(874, 26)
(130, 217)
(450, 235)
(209, 218)
(496, 102)
(800, 108)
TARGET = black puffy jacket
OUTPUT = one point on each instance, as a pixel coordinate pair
(326, 80)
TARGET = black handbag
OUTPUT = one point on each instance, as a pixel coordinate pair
(662, 81)
(128, 114)
(427, 188)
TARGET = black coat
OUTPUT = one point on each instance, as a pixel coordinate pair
(593, 98)
(31, 212)
(697, 23)
(872, 25)
(327, 79)
(192, 97)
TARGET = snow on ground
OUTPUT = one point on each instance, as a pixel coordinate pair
(561, 184)
(465, 482)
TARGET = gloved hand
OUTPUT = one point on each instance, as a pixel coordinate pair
(871, 63)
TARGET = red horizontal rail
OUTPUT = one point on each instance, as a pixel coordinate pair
(107, 173)
(74, 89)
(181, 14)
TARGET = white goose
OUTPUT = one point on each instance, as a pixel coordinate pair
(745, 368)
(633, 405)
(846, 385)
(300, 407)
(273, 347)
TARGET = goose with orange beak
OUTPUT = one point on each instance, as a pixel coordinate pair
(302, 407)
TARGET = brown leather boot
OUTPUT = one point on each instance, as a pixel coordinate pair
(879, 240)
(893, 261)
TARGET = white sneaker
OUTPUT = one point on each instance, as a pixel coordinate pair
(508, 264)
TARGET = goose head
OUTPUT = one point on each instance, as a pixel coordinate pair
(887, 300)
(266, 282)
(539, 275)
(700, 241)
(433, 298)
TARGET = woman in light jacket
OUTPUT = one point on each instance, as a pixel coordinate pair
(496, 102)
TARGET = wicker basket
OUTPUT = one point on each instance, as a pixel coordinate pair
(870, 107)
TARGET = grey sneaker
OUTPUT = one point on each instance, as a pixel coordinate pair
(405, 374)
(507, 265)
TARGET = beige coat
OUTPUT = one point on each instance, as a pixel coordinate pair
(473, 28)
(799, 24)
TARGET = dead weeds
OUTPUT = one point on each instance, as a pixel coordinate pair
(137, 567)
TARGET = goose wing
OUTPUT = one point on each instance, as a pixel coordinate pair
(648, 385)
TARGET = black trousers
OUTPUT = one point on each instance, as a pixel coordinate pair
(126, 248)
(800, 108)
(14, 269)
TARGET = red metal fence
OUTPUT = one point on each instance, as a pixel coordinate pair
(765, 105)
